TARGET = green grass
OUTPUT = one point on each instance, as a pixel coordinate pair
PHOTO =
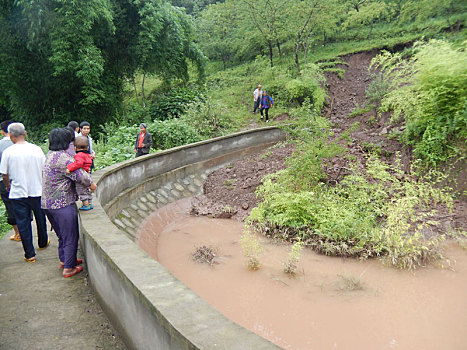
(4, 227)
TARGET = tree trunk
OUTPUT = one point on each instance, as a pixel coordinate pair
(278, 47)
(369, 34)
(136, 91)
(297, 46)
(142, 88)
(270, 52)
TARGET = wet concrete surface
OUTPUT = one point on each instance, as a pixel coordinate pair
(39, 309)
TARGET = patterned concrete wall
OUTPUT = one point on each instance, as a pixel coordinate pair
(148, 306)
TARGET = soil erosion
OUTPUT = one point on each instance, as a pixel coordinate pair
(230, 192)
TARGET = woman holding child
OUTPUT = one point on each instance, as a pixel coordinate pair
(59, 196)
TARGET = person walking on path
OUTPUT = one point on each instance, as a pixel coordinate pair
(22, 164)
(143, 141)
(82, 161)
(266, 103)
(5, 142)
(256, 98)
(59, 196)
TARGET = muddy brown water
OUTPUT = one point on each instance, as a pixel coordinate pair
(332, 303)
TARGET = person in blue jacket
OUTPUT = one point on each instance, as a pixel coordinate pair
(266, 103)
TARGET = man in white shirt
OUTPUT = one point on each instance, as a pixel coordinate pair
(21, 169)
(256, 98)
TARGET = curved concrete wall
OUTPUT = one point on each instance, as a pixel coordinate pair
(150, 307)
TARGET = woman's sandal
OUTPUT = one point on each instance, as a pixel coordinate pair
(73, 272)
(30, 260)
(16, 238)
(78, 262)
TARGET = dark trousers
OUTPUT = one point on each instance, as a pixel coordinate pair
(22, 208)
(141, 152)
(65, 223)
(266, 111)
(256, 105)
(8, 205)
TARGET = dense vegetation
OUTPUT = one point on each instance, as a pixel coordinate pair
(117, 63)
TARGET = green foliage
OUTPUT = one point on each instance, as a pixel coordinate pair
(361, 111)
(115, 145)
(429, 91)
(251, 248)
(368, 214)
(4, 227)
(338, 71)
(173, 103)
(290, 266)
(65, 60)
(210, 118)
(377, 89)
(172, 133)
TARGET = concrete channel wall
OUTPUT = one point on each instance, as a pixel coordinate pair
(148, 306)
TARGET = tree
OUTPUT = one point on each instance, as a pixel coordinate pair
(67, 59)
(367, 13)
(269, 19)
(216, 34)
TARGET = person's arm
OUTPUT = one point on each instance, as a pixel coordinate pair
(91, 151)
(78, 163)
(149, 141)
(6, 181)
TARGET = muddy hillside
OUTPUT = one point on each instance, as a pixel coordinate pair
(230, 192)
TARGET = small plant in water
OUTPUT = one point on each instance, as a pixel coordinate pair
(251, 247)
(290, 266)
(349, 283)
(204, 254)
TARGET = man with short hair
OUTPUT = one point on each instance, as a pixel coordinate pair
(22, 164)
(75, 126)
(85, 131)
(143, 141)
(5, 142)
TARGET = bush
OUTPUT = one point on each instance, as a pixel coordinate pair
(429, 92)
(370, 213)
(172, 133)
(173, 103)
(211, 119)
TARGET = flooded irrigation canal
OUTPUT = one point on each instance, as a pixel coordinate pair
(332, 303)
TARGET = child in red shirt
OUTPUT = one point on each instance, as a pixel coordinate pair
(82, 160)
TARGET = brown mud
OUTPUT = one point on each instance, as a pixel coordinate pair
(331, 303)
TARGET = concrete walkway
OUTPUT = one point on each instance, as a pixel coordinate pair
(39, 309)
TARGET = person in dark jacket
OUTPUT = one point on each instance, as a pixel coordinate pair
(143, 141)
(264, 105)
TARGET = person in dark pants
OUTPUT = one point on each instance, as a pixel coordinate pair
(5, 142)
(59, 196)
(22, 163)
(143, 141)
(265, 103)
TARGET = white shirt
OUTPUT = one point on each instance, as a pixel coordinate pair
(256, 93)
(23, 162)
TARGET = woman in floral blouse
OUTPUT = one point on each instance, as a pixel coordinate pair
(59, 196)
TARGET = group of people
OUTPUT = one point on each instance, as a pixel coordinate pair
(47, 186)
(263, 102)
